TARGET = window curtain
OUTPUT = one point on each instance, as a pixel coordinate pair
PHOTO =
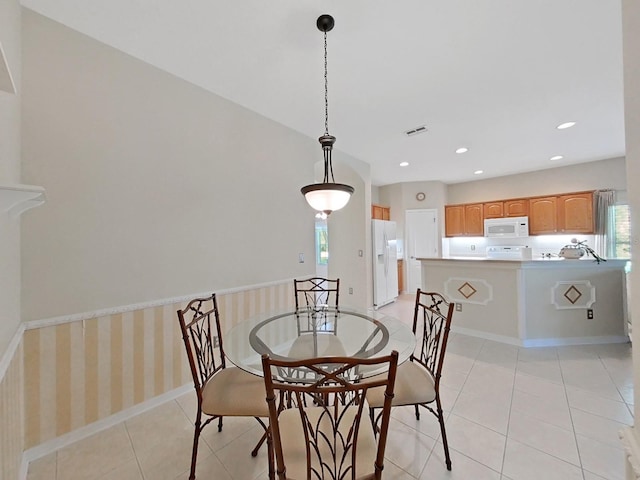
(603, 201)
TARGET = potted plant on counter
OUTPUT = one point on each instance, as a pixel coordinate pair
(577, 249)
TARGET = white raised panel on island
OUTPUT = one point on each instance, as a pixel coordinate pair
(533, 303)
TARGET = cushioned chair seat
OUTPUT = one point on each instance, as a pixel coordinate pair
(320, 345)
(232, 392)
(294, 445)
(414, 384)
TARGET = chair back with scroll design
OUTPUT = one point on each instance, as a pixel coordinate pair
(431, 325)
(317, 425)
(317, 305)
(200, 325)
(317, 294)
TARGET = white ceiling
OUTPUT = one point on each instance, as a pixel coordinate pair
(496, 76)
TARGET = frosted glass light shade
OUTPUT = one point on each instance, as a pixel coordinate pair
(327, 197)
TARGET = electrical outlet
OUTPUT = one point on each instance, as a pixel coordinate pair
(473, 247)
(350, 290)
(590, 314)
(360, 253)
(301, 258)
(458, 307)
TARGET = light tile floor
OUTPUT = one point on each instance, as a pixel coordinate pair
(512, 414)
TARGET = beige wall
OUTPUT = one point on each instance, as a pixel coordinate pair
(156, 188)
(602, 174)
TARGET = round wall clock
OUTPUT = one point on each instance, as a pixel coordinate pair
(420, 196)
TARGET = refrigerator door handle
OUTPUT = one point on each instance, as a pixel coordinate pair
(386, 254)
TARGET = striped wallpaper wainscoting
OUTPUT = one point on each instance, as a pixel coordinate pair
(79, 371)
(11, 415)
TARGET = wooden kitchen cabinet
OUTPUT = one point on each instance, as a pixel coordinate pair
(570, 213)
(516, 208)
(453, 220)
(378, 212)
(575, 213)
(400, 279)
(493, 210)
(543, 216)
(550, 215)
(464, 220)
(474, 219)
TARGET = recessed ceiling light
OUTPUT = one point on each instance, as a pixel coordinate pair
(556, 157)
(404, 164)
(478, 172)
(462, 150)
(562, 126)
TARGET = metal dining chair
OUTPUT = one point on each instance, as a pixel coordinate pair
(317, 311)
(418, 379)
(222, 391)
(317, 424)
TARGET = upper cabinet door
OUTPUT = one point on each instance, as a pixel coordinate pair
(516, 208)
(493, 210)
(543, 216)
(473, 219)
(453, 220)
(575, 213)
(378, 212)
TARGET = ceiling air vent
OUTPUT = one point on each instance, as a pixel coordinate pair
(416, 131)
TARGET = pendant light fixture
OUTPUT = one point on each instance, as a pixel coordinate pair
(327, 196)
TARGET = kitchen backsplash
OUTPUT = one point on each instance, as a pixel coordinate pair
(540, 244)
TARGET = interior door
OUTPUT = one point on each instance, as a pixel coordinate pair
(421, 242)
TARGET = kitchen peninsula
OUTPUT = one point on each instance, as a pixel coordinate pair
(535, 302)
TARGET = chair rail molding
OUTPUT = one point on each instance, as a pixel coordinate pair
(17, 199)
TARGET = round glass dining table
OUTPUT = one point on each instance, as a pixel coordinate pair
(317, 333)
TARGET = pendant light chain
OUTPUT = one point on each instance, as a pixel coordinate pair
(326, 89)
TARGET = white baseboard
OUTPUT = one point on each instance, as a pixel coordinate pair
(542, 342)
(62, 441)
(559, 342)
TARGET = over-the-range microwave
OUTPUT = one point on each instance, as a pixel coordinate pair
(509, 227)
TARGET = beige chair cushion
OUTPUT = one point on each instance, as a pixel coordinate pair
(414, 384)
(320, 345)
(294, 445)
(232, 392)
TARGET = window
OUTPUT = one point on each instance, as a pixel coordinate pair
(619, 232)
(322, 243)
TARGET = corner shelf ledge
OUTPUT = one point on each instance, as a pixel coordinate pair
(16, 199)
(6, 79)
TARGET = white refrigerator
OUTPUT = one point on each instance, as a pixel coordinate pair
(385, 262)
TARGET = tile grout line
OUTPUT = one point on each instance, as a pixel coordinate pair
(604, 365)
(513, 389)
(573, 427)
(135, 454)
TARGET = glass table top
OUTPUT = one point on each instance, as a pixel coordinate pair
(309, 334)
